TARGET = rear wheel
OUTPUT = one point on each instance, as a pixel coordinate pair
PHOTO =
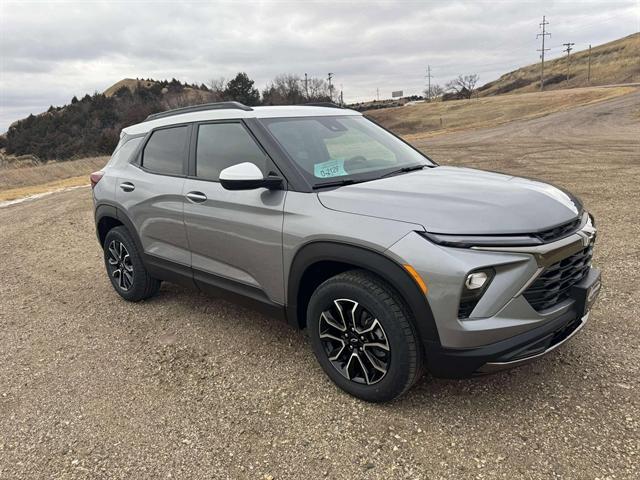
(125, 268)
(363, 336)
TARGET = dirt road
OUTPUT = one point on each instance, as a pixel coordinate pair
(185, 386)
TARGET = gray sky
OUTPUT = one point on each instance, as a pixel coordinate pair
(51, 51)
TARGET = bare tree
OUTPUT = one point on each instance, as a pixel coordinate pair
(285, 89)
(289, 89)
(463, 86)
(318, 90)
(436, 92)
(217, 86)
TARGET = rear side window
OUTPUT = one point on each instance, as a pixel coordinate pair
(124, 151)
(165, 151)
(222, 145)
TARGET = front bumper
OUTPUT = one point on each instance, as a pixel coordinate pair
(506, 354)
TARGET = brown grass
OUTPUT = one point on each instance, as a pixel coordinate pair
(611, 63)
(25, 181)
(428, 119)
(21, 192)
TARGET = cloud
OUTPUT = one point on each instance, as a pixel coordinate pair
(52, 51)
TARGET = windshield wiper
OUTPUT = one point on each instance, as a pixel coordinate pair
(404, 170)
(335, 183)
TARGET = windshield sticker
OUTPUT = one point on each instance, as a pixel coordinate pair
(328, 169)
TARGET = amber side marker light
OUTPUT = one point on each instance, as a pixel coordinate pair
(417, 278)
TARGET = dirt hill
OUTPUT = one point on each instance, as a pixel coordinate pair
(611, 63)
(428, 119)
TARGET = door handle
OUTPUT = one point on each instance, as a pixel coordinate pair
(127, 186)
(196, 197)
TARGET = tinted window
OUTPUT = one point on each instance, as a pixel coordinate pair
(222, 145)
(165, 151)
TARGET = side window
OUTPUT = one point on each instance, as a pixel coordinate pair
(165, 151)
(222, 145)
(123, 152)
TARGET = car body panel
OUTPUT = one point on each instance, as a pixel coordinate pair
(237, 235)
(457, 200)
(155, 207)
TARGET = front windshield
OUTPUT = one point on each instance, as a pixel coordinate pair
(342, 148)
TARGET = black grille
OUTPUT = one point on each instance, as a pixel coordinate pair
(554, 285)
(559, 232)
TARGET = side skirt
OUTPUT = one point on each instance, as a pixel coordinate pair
(214, 285)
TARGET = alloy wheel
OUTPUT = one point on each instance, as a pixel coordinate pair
(354, 341)
(120, 266)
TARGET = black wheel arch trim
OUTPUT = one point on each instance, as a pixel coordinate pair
(367, 259)
(104, 210)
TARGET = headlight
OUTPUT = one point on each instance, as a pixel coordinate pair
(474, 287)
(467, 241)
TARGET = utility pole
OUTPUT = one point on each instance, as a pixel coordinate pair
(542, 50)
(341, 96)
(428, 76)
(306, 86)
(568, 50)
(378, 93)
(329, 77)
(589, 68)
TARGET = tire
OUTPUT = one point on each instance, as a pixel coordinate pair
(363, 299)
(121, 254)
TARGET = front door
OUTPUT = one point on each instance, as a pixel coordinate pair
(235, 237)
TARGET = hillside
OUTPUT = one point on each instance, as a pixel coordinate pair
(427, 119)
(91, 125)
(611, 63)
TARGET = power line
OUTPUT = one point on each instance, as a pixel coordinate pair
(542, 50)
(569, 46)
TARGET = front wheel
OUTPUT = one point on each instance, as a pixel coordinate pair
(363, 336)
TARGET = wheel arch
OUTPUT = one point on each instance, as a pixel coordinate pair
(317, 261)
(108, 217)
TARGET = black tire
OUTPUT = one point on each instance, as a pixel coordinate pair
(375, 297)
(137, 284)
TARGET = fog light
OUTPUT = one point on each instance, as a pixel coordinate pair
(476, 280)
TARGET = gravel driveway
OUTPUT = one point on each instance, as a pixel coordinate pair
(185, 386)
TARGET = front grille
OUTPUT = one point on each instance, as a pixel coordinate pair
(559, 232)
(554, 284)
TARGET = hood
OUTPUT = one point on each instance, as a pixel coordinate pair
(458, 201)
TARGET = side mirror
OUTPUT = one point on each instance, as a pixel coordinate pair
(247, 176)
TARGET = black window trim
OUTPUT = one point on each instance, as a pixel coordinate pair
(138, 157)
(192, 166)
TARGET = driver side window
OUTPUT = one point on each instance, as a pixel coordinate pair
(221, 145)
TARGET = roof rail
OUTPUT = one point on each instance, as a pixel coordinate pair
(321, 104)
(199, 108)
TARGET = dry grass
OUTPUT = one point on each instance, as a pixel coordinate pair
(39, 177)
(428, 119)
(22, 192)
(611, 63)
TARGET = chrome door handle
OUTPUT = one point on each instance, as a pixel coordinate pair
(196, 197)
(127, 186)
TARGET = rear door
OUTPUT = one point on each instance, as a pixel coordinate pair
(150, 191)
(235, 236)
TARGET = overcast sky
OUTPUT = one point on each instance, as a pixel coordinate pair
(51, 51)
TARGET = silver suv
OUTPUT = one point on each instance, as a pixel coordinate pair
(319, 216)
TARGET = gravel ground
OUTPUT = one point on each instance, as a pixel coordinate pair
(185, 386)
